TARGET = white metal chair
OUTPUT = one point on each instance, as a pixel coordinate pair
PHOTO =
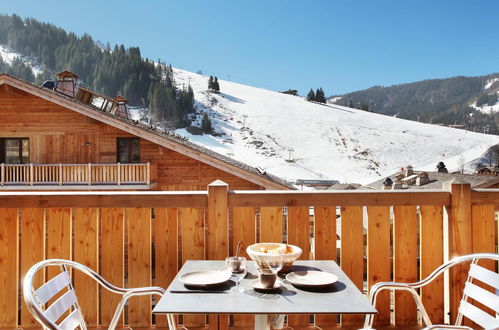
(37, 299)
(471, 290)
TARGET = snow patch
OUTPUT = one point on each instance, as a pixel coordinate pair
(486, 108)
(489, 83)
(8, 55)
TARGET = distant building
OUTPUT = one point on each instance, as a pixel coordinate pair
(291, 92)
(431, 180)
(488, 170)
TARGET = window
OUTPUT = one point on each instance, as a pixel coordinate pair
(14, 150)
(128, 150)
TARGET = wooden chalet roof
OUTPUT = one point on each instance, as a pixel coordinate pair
(167, 140)
(438, 179)
(67, 74)
(120, 98)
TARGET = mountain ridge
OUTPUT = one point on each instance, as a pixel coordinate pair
(458, 100)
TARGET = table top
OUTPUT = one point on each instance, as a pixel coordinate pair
(342, 297)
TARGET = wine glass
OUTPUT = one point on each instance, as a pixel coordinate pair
(275, 260)
(236, 266)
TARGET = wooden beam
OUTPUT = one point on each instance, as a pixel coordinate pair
(484, 196)
(344, 198)
(104, 199)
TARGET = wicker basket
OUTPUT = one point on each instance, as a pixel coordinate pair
(254, 251)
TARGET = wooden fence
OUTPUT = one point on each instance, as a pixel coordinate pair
(142, 238)
(83, 174)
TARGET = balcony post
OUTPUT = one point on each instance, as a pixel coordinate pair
(89, 174)
(217, 245)
(457, 241)
(148, 173)
(60, 174)
(31, 174)
(3, 174)
(119, 174)
(218, 215)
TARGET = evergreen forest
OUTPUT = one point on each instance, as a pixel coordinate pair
(437, 101)
(109, 70)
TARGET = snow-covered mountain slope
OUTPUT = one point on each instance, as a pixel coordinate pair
(295, 139)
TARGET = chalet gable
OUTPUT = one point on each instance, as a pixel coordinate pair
(172, 142)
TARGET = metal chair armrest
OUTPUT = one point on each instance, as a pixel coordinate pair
(132, 292)
(446, 326)
(410, 287)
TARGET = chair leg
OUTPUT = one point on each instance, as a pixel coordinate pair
(171, 321)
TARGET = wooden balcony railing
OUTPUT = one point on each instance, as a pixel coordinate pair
(74, 174)
(142, 238)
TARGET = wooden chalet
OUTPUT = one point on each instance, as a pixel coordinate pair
(72, 138)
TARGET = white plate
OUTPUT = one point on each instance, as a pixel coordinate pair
(204, 277)
(311, 278)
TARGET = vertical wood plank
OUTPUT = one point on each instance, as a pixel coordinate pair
(59, 228)
(86, 252)
(352, 253)
(298, 228)
(59, 238)
(139, 265)
(460, 240)
(484, 241)
(9, 274)
(32, 251)
(192, 229)
(325, 249)
(432, 248)
(243, 230)
(166, 250)
(405, 252)
(112, 264)
(271, 224)
(378, 257)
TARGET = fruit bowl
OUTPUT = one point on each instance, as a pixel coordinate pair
(262, 254)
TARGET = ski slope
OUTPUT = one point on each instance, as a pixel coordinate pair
(296, 139)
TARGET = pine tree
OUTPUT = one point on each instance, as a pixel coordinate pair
(206, 124)
(311, 95)
(216, 86)
(210, 83)
(350, 104)
(319, 96)
(364, 106)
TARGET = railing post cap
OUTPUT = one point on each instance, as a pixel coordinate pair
(218, 183)
(455, 181)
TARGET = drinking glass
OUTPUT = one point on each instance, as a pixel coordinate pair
(275, 261)
(237, 268)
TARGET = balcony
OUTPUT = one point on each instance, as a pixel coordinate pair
(141, 238)
(117, 176)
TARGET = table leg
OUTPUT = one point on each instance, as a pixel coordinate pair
(262, 322)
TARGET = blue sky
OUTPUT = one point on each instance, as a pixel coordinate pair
(340, 46)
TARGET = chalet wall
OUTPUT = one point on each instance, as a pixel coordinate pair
(59, 135)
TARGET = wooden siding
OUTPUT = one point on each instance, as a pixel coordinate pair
(60, 135)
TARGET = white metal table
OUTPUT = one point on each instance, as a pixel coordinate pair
(343, 297)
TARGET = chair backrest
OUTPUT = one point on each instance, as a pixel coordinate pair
(54, 304)
(478, 287)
